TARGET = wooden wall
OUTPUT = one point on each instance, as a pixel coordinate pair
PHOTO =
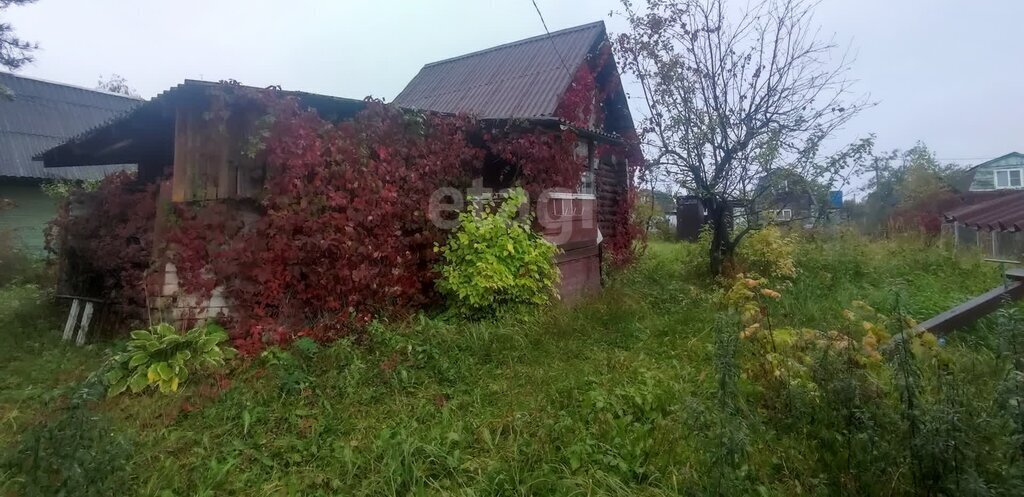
(610, 183)
(210, 157)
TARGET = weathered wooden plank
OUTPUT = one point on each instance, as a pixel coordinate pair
(84, 328)
(180, 179)
(69, 326)
(1015, 274)
(976, 308)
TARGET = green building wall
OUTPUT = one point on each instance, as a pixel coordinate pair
(27, 219)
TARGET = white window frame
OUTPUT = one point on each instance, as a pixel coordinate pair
(1009, 183)
(784, 215)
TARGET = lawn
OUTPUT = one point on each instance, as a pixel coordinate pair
(619, 395)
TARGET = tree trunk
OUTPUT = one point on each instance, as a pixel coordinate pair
(721, 246)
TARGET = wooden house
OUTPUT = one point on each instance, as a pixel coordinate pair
(196, 159)
(1004, 173)
(41, 114)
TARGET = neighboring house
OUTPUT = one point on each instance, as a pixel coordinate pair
(523, 85)
(990, 213)
(784, 196)
(664, 205)
(41, 115)
(999, 174)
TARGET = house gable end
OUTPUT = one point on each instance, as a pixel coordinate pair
(984, 176)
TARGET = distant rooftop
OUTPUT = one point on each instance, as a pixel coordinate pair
(44, 114)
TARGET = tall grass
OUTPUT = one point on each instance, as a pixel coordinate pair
(638, 391)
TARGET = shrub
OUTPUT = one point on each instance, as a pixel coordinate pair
(162, 357)
(765, 252)
(494, 261)
(104, 237)
(769, 253)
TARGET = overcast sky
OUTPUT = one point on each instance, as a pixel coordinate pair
(947, 72)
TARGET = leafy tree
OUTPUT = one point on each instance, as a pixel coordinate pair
(116, 84)
(14, 52)
(731, 98)
(911, 186)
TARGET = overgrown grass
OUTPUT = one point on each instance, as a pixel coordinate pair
(620, 395)
(35, 367)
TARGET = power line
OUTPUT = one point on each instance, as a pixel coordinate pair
(555, 47)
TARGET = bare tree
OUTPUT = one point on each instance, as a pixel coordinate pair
(14, 52)
(731, 98)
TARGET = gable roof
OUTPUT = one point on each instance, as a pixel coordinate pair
(44, 114)
(521, 79)
(997, 159)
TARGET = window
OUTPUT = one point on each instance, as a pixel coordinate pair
(1009, 178)
(587, 183)
(784, 215)
(587, 186)
(784, 185)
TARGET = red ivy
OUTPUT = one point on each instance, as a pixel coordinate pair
(342, 233)
(104, 239)
(583, 102)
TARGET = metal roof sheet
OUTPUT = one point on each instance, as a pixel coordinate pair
(44, 114)
(525, 78)
(1005, 213)
(89, 139)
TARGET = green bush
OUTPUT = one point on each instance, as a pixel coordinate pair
(769, 253)
(495, 261)
(162, 357)
(766, 252)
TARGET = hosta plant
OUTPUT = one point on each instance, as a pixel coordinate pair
(162, 357)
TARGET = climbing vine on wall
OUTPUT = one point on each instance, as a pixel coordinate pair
(583, 102)
(103, 238)
(340, 232)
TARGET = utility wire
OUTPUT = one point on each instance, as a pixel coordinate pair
(555, 47)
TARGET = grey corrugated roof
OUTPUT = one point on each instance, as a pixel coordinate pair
(95, 144)
(520, 79)
(44, 114)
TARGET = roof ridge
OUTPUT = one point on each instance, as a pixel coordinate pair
(524, 41)
(991, 160)
(75, 87)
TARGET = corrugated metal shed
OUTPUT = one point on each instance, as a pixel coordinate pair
(520, 79)
(44, 114)
(1005, 213)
